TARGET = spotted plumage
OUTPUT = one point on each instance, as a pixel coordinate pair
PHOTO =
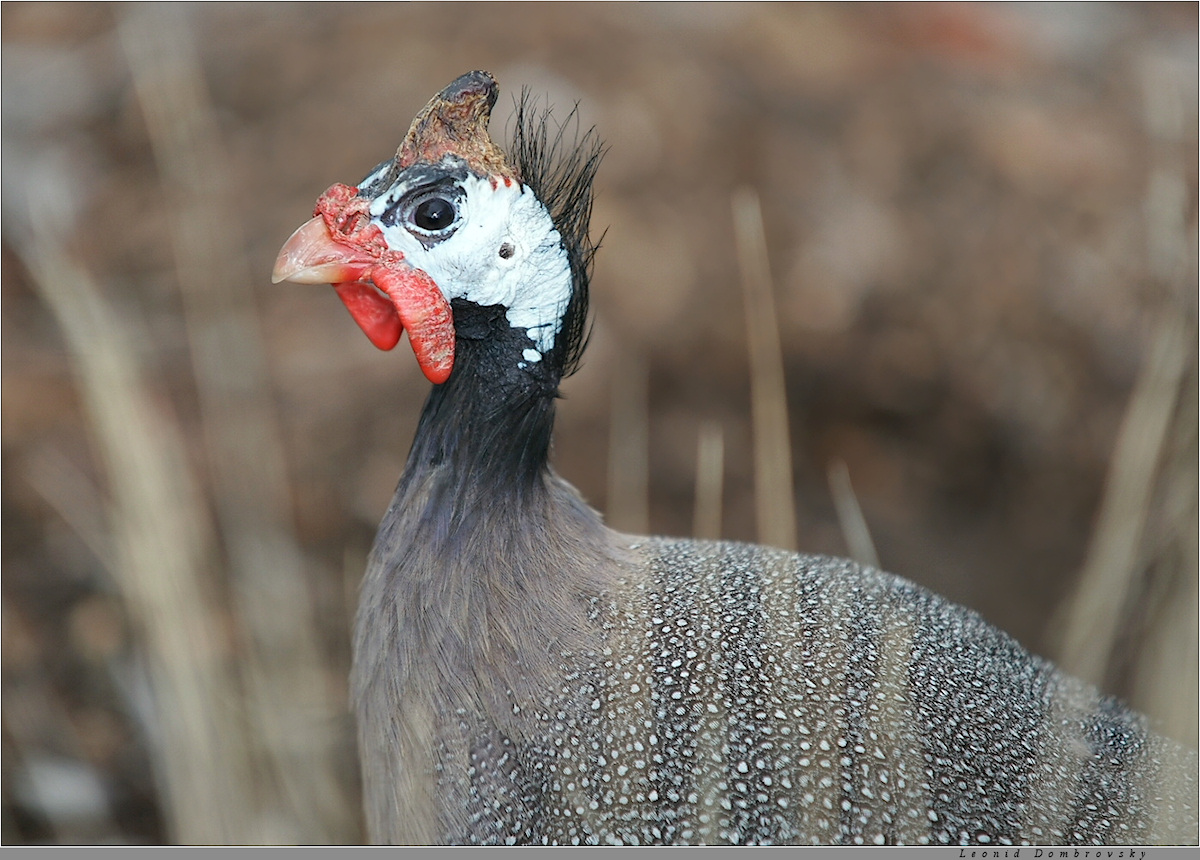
(523, 674)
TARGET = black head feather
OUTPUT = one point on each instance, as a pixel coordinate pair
(560, 167)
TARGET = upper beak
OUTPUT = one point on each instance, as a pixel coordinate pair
(311, 256)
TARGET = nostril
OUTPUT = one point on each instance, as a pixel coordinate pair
(507, 250)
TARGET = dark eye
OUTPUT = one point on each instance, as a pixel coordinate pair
(434, 214)
(431, 211)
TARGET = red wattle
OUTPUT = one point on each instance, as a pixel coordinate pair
(425, 314)
(375, 315)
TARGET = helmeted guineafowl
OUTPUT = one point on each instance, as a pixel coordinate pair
(524, 674)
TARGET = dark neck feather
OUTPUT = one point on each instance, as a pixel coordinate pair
(487, 428)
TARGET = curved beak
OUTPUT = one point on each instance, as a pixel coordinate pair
(311, 256)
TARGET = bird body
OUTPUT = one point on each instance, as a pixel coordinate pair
(524, 674)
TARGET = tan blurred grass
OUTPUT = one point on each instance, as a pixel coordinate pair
(907, 289)
(161, 538)
(294, 720)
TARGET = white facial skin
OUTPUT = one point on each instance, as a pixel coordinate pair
(502, 249)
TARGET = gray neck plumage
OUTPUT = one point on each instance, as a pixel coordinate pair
(482, 536)
(485, 583)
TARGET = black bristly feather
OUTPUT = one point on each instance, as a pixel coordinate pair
(560, 167)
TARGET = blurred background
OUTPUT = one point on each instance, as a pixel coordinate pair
(973, 227)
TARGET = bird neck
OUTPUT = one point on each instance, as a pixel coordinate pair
(487, 429)
(488, 563)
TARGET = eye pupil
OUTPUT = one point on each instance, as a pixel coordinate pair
(435, 213)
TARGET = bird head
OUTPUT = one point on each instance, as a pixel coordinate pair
(451, 217)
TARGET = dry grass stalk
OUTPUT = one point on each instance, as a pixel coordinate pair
(293, 715)
(774, 490)
(1091, 620)
(161, 542)
(710, 479)
(75, 500)
(1133, 620)
(1166, 670)
(850, 516)
(628, 507)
